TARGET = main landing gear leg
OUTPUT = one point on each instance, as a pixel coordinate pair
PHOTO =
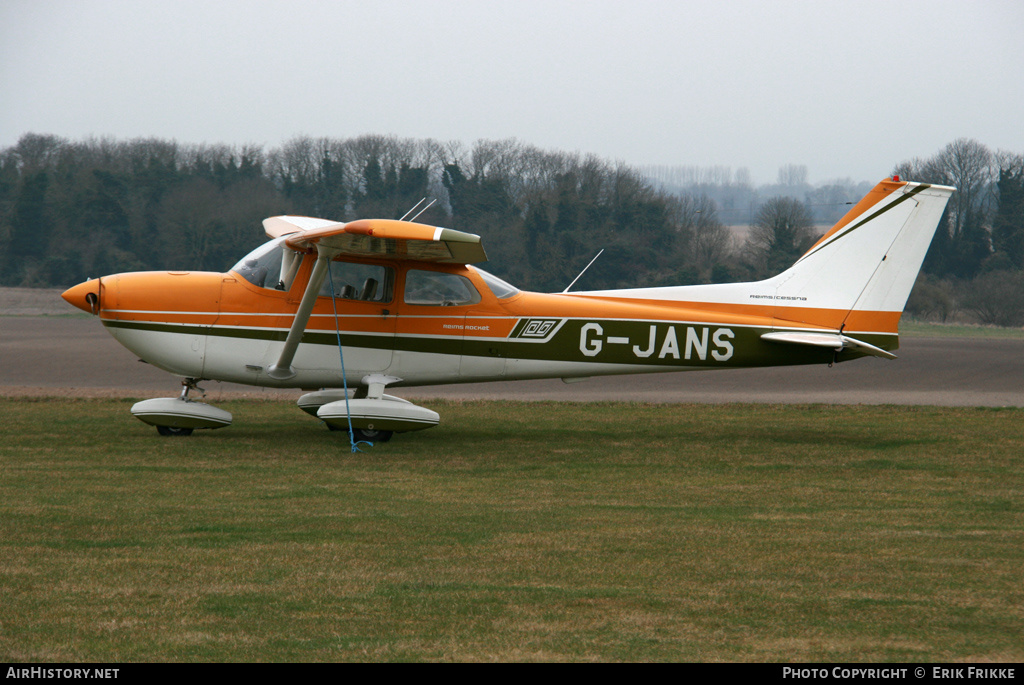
(188, 384)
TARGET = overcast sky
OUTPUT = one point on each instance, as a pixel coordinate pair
(848, 89)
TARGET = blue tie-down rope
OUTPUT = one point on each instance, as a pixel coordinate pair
(344, 380)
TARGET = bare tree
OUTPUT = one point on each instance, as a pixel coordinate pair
(970, 167)
(998, 298)
(793, 175)
(35, 151)
(963, 242)
(710, 240)
(780, 234)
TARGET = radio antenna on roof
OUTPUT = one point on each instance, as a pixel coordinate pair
(424, 209)
(419, 212)
(582, 272)
(413, 209)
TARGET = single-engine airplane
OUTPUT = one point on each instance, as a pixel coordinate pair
(373, 304)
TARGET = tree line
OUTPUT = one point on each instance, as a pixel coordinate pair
(76, 209)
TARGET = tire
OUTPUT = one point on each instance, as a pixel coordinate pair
(171, 431)
(365, 435)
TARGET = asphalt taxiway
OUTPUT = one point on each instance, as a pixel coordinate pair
(74, 356)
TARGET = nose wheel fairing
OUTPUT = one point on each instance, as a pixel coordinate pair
(180, 415)
(174, 412)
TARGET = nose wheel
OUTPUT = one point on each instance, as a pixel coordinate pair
(171, 431)
(179, 416)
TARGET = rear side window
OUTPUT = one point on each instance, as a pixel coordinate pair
(438, 289)
(353, 281)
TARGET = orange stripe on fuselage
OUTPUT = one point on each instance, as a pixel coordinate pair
(206, 299)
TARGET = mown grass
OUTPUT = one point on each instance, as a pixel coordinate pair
(515, 531)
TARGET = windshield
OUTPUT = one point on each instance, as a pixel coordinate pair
(262, 266)
(500, 288)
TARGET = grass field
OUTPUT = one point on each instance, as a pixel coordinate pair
(531, 531)
(923, 329)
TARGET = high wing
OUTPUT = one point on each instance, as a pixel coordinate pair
(277, 226)
(380, 238)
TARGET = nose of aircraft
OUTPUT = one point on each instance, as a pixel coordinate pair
(85, 296)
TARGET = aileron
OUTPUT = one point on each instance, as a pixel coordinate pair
(382, 238)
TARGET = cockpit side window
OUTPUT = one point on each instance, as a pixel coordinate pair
(355, 281)
(438, 289)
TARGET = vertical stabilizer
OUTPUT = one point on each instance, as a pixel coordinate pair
(857, 277)
(864, 268)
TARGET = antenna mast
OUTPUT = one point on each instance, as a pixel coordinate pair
(419, 212)
(582, 272)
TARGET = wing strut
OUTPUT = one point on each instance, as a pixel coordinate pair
(283, 370)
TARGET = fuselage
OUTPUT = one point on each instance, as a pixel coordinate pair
(471, 328)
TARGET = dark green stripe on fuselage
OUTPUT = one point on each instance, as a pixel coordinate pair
(663, 344)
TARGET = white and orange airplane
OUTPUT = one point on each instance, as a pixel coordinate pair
(354, 308)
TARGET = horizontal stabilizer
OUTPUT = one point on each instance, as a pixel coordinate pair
(835, 341)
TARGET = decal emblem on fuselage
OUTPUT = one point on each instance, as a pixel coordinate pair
(536, 329)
